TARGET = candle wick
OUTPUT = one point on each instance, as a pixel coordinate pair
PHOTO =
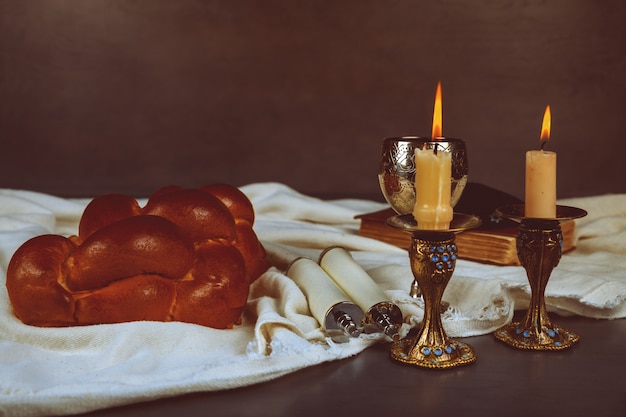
(543, 144)
(435, 148)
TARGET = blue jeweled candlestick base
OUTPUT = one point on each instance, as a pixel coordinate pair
(433, 255)
(539, 249)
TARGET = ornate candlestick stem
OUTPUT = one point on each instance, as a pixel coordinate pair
(539, 248)
(433, 256)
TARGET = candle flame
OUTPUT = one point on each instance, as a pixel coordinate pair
(545, 126)
(437, 116)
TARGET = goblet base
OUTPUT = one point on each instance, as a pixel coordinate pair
(548, 337)
(451, 353)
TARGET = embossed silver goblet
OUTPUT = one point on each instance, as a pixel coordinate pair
(397, 169)
(396, 175)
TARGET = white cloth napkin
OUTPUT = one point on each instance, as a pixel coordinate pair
(79, 369)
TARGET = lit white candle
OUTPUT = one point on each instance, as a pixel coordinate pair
(433, 185)
(540, 190)
(433, 178)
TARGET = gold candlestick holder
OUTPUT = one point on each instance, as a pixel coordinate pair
(539, 249)
(396, 175)
(433, 256)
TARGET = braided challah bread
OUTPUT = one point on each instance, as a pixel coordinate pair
(188, 255)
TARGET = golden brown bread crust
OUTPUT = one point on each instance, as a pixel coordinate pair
(34, 281)
(235, 200)
(104, 210)
(201, 215)
(136, 245)
(188, 255)
(218, 279)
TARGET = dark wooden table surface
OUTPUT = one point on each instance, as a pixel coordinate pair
(587, 380)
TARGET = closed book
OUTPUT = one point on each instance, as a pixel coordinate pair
(494, 241)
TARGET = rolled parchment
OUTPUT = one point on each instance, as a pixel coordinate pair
(380, 312)
(331, 307)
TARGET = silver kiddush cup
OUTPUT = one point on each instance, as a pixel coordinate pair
(397, 169)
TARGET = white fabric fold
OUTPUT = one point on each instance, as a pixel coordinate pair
(58, 371)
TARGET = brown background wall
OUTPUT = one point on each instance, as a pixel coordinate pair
(106, 95)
